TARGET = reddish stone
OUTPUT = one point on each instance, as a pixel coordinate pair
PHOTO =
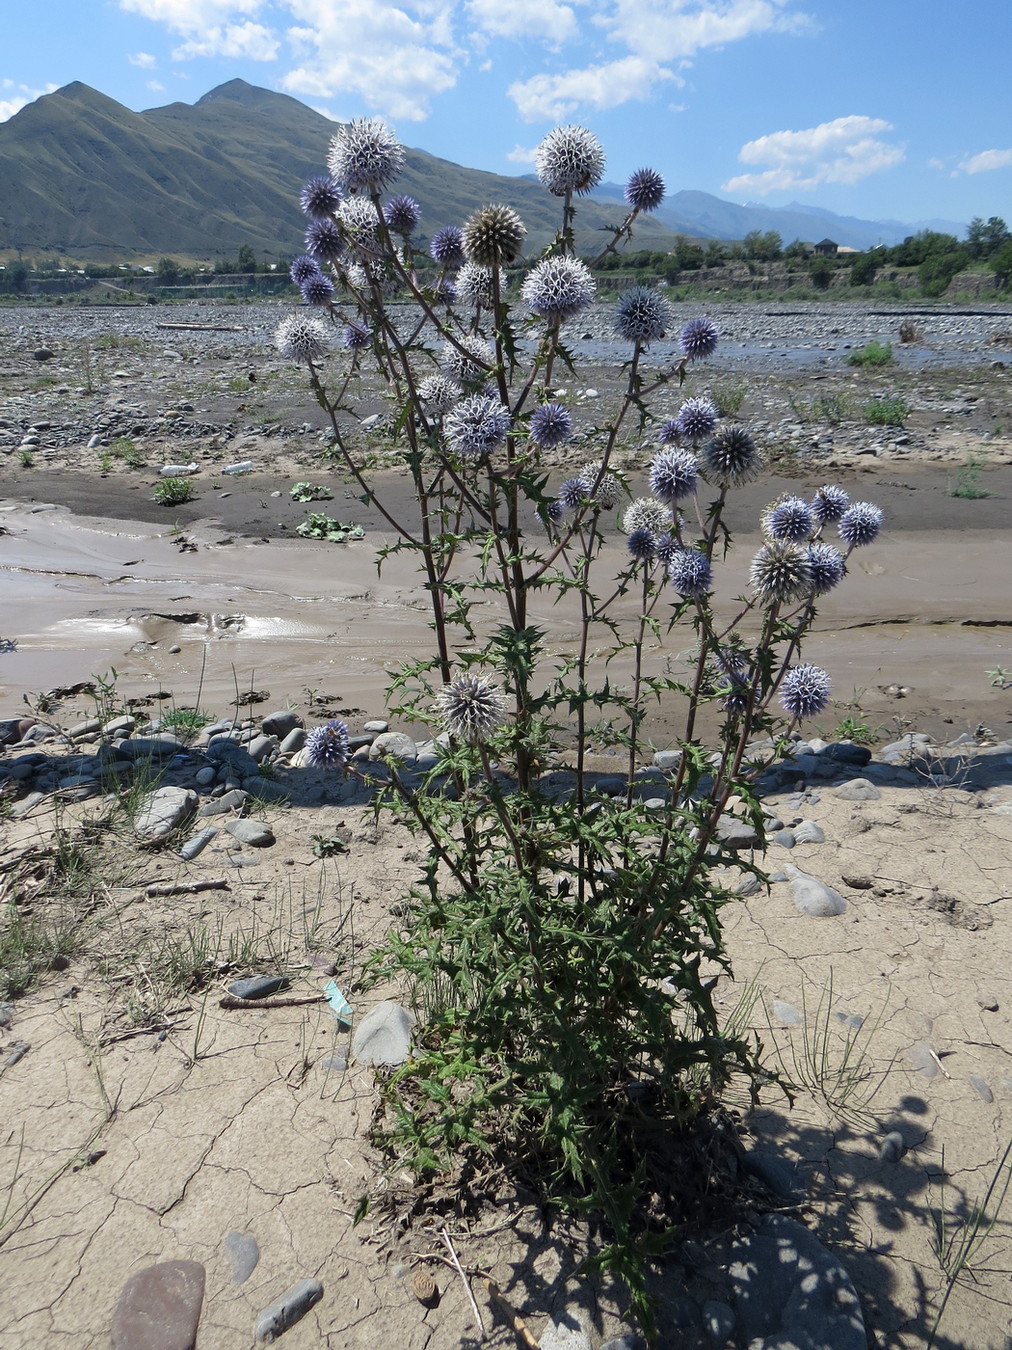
(159, 1308)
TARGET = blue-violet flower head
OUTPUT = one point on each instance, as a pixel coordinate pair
(805, 691)
(690, 573)
(402, 214)
(325, 241)
(829, 503)
(781, 572)
(826, 566)
(699, 338)
(477, 425)
(320, 197)
(447, 246)
(557, 289)
(860, 524)
(673, 474)
(731, 457)
(327, 746)
(642, 545)
(645, 190)
(551, 425)
(697, 418)
(302, 337)
(317, 290)
(643, 315)
(789, 518)
(573, 493)
(303, 268)
(356, 336)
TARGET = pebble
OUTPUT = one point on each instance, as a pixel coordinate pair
(163, 811)
(892, 1148)
(785, 838)
(243, 1254)
(228, 801)
(858, 790)
(257, 986)
(786, 1013)
(334, 1063)
(814, 897)
(376, 727)
(196, 845)
(294, 741)
(289, 1309)
(737, 833)
(384, 1034)
(396, 745)
(16, 1053)
(251, 833)
(6, 1015)
(981, 1088)
(808, 832)
(922, 1057)
(159, 1308)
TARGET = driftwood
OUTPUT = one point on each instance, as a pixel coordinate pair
(186, 887)
(203, 327)
(233, 1001)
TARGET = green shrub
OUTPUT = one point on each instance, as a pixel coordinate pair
(173, 491)
(872, 354)
(892, 410)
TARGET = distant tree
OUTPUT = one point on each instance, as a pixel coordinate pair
(168, 271)
(247, 260)
(716, 254)
(938, 269)
(864, 267)
(917, 248)
(996, 235)
(1002, 264)
(762, 247)
(687, 256)
(821, 271)
(15, 277)
(795, 251)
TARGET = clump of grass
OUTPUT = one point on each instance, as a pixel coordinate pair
(25, 459)
(728, 398)
(872, 354)
(173, 492)
(831, 408)
(184, 721)
(892, 410)
(31, 944)
(967, 481)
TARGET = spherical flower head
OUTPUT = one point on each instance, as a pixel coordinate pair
(647, 514)
(826, 566)
(365, 155)
(356, 276)
(317, 290)
(325, 242)
(438, 393)
(551, 426)
(735, 686)
(474, 285)
(320, 197)
(670, 432)
(690, 573)
(303, 268)
(643, 315)
(860, 524)
(402, 215)
(356, 336)
(607, 489)
(477, 425)
(673, 474)
(446, 246)
(699, 338)
(805, 691)
(357, 216)
(781, 572)
(556, 512)
(471, 364)
(735, 695)
(569, 159)
(789, 518)
(493, 236)
(731, 457)
(327, 746)
(697, 418)
(642, 545)
(645, 190)
(829, 503)
(557, 289)
(573, 493)
(302, 337)
(472, 708)
(446, 291)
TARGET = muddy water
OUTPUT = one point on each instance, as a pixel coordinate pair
(926, 611)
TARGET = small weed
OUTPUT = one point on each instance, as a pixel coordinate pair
(967, 481)
(123, 448)
(25, 459)
(728, 398)
(855, 729)
(328, 845)
(105, 463)
(32, 943)
(831, 408)
(173, 492)
(872, 354)
(319, 526)
(892, 410)
(999, 677)
(185, 722)
(310, 492)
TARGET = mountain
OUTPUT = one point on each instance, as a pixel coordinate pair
(88, 179)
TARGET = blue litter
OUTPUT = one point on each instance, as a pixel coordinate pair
(339, 1005)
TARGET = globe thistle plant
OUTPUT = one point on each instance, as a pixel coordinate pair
(699, 338)
(472, 708)
(302, 337)
(446, 246)
(670, 432)
(673, 474)
(474, 285)
(829, 503)
(789, 518)
(327, 746)
(642, 545)
(569, 159)
(493, 236)
(303, 268)
(804, 691)
(320, 197)
(556, 512)
(317, 289)
(607, 489)
(477, 425)
(690, 573)
(697, 418)
(360, 223)
(647, 514)
(471, 364)
(438, 394)
(826, 566)
(731, 458)
(365, 156)
(643, 315)
(781, 573)
(574, 493)
(557, 289)
(325, 242)
(860, 524)
(551, 425)
(402, 214)
(356, 336)
(645, 190)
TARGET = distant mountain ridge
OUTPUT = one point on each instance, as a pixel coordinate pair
(87, 178)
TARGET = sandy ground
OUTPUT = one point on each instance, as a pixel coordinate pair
(146, 1123)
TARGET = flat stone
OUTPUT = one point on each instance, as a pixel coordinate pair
(808, 832)
(6, 1015)
(748, 885)
(384, 1034)
(846, 753)
(163, 811)
(294, 741)
(268, 790)
(81, 730)
(228, 801)
(251, 833)
(196, 845)
(162, 746)
(205, 777)
(737, 833)
(922, 1057)
(396, 745)
(119, 726)
(982, 1088)
(858, 790)
(15, 1054)
(159, 1308)
(257, 986)
(786, 1013)
(667, 760)
(814, 897)
(376, 727)
(262, 746)
(290, 1308)
(243, 1254)
(280, 724)
(784, 838)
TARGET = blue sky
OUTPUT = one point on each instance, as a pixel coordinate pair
(875, 108)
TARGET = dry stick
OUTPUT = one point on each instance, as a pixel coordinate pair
(467, 1288)
(518, 1324)
(234, 1001)
(186, 887)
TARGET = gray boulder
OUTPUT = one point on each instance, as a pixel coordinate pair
(163, 811)
(384, 1035)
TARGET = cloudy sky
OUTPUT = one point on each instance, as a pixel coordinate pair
(875, 108)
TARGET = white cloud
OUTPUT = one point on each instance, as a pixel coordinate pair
(156, 86)
(143, 59)
(524, 19)
(249, 41)
(842, 151)
(22, 96)
(190, 16)
(395, 61)
(672, 30)
(520, 155)
(986, 161)
(551, 97)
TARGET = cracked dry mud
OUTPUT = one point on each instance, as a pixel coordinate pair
(119, 1150)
